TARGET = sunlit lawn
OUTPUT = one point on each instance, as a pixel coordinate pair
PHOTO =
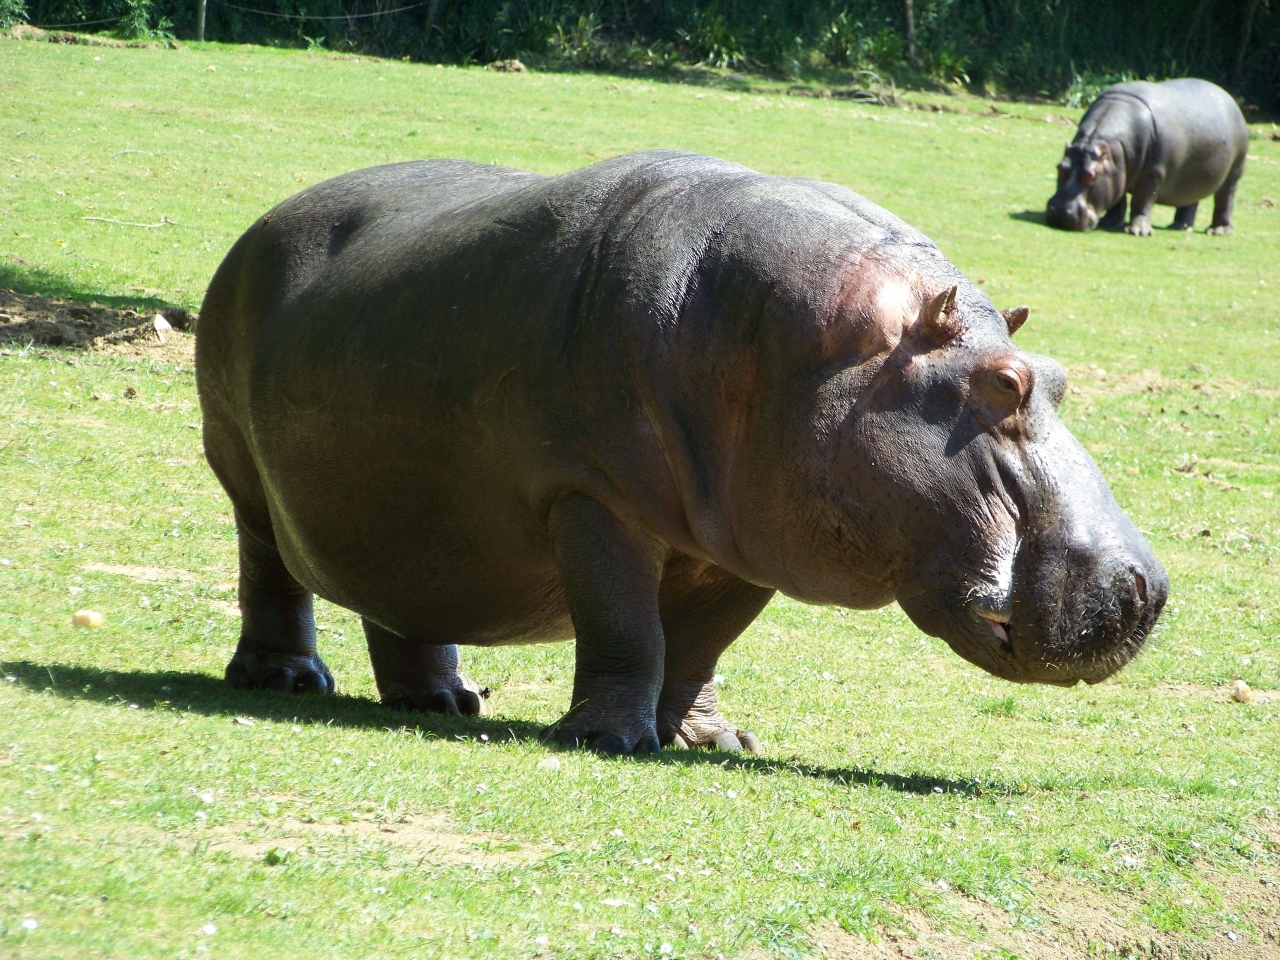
(146, 810)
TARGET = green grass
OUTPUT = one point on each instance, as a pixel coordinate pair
(891, 764)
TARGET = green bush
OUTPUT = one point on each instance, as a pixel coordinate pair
(11, 12)
(1049, 49)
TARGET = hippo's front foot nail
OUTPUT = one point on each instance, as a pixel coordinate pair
(1221, 230)
(253, 668)
(460, 698)
(1139, 228)
(593, 733)
(728, 739)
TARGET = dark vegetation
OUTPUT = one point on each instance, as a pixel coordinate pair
(1066, 49)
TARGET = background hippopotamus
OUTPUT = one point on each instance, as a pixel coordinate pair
(1173, 143)
(627, 404)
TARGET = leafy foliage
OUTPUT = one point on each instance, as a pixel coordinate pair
(11, 12)
(1051, 49)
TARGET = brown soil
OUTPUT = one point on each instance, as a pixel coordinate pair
(433, 840)
(51, 321)
(1222, 693)
(167, 575)
(1076, 922)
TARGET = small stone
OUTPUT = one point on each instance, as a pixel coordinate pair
(162, 326)
(550, 764)
(1240, 692)
(209, 929)
(90, 619)
(30, 923)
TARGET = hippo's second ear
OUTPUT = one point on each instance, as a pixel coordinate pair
(1015, 317)
(939, 319)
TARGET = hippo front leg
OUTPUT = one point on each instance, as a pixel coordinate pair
(1144, 200)
(418, 675)
(610, 575)
(704, 609)
(1114, 220)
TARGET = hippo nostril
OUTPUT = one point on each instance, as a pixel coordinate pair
(1141, 582)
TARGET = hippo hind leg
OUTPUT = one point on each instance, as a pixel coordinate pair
(1224, 202)
(704, 609)
(277, 648)
(1184, 218)
(417, 675)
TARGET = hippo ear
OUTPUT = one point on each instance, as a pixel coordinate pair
(939, 319)
(1015, 317)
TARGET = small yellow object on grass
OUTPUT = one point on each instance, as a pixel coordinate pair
(1240, 692)
(87, 618)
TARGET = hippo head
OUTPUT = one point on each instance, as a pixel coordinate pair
(934, 471)
(1090, 182)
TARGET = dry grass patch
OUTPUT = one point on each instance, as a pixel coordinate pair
(432, 840)
(1074, 923)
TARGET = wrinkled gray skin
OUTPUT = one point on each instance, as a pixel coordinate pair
(627, 404)
(1173, 143)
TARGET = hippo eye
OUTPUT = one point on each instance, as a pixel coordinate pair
(1009, 380)
(1007, 385)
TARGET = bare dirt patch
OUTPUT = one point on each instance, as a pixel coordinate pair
(167, 575)
(1075, 922)
(1221, 693)
(30, 319)
(1094, 381)
(426, 839)
(142, 574)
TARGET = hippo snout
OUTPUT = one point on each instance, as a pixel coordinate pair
(1104, 608)
(1070, 215)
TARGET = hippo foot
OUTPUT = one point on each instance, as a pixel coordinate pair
(1139, 227)
(695, 720)
(253, 668)
(1220, 230)
(455, 695)
(714, 733)
(584, 727)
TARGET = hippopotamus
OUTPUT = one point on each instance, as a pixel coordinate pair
(1173, 143)
(626, 405)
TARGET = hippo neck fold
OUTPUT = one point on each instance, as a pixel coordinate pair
(780, 287)
(1124, 120)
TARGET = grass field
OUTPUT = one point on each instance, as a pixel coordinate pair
(907, 803)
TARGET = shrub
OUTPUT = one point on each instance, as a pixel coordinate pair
(11, 12)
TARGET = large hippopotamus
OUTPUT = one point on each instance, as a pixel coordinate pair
(1173, 143)
(626, 405)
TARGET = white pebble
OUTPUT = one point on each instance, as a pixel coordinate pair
(1240, 692)
(30, 923)
(87, 618)
(209, 929)
(550, 763)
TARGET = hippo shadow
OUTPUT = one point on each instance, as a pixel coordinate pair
(203, 694)
(1028, 216)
